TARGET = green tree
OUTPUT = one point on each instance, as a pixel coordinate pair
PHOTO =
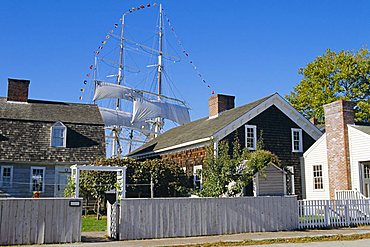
(239, 167)
(343, 75)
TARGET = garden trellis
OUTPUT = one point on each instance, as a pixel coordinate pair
(121, 176)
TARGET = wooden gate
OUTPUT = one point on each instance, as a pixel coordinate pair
(113, 213)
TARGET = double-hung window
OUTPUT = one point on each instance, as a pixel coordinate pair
(297, 142)
(58, 135)
(6, 176)
(37, 179)
(317, 177)
(251, 137)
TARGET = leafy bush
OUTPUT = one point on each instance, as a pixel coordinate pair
(226, 174)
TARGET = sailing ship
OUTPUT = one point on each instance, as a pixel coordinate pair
(133, 115)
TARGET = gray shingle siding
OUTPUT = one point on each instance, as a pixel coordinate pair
(30, 141)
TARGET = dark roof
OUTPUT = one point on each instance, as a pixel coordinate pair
(50, 111)
(201, 128)
(365, 129)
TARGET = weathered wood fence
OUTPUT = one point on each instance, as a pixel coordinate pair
(174, 217)
(46, 220)
(333, 213)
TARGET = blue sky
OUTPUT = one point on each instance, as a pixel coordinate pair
(249, 49)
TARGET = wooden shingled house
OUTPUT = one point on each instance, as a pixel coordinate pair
(284, 130)
(40, 140)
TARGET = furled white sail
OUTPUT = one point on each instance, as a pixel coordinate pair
(145, 109)
(106, 90)
(120, 118)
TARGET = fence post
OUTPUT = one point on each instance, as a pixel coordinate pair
(326, 214)
(151, 187)
(346, 212)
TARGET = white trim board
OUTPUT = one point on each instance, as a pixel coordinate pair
(178, 148)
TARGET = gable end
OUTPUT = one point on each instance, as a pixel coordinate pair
(283, 106)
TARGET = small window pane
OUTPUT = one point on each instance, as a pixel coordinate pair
(317, 177)
(250, 137)
(297, 145)
(7, 176)
(57, 136)
(37, 179)
(367, 171)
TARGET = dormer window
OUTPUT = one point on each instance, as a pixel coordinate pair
(58, 135)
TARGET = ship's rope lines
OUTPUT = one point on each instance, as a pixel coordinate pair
(152, 60)
(167, 77)
(126, 67)
(134, 60)
(143, 81)
(174, 86)
(109, 35)
(186, 54)
(174, 49)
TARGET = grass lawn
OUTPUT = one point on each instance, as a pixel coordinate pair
(91, 224)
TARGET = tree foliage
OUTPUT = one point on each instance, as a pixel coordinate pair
(222, 169)
(344, 75)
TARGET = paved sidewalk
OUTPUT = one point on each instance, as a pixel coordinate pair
(223, 238)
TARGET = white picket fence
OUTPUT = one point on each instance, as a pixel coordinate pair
(333, 213)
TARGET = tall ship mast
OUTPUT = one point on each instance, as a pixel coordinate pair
(133, 115)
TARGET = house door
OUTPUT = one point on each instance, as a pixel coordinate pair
(366, 179)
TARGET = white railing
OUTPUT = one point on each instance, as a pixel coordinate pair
(333, 213)
(349, 195)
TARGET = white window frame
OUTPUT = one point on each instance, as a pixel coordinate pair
(313, 177)
(254, 127)
(43, 177)
(300, 148)
(11, 177)
(58, 125)
(195, 169)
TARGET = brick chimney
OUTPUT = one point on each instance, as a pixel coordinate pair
(18, 90)
(219, 103)
(337, 115)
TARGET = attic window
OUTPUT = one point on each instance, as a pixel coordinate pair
(251, 137)
(58, 135)
(297, 143)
